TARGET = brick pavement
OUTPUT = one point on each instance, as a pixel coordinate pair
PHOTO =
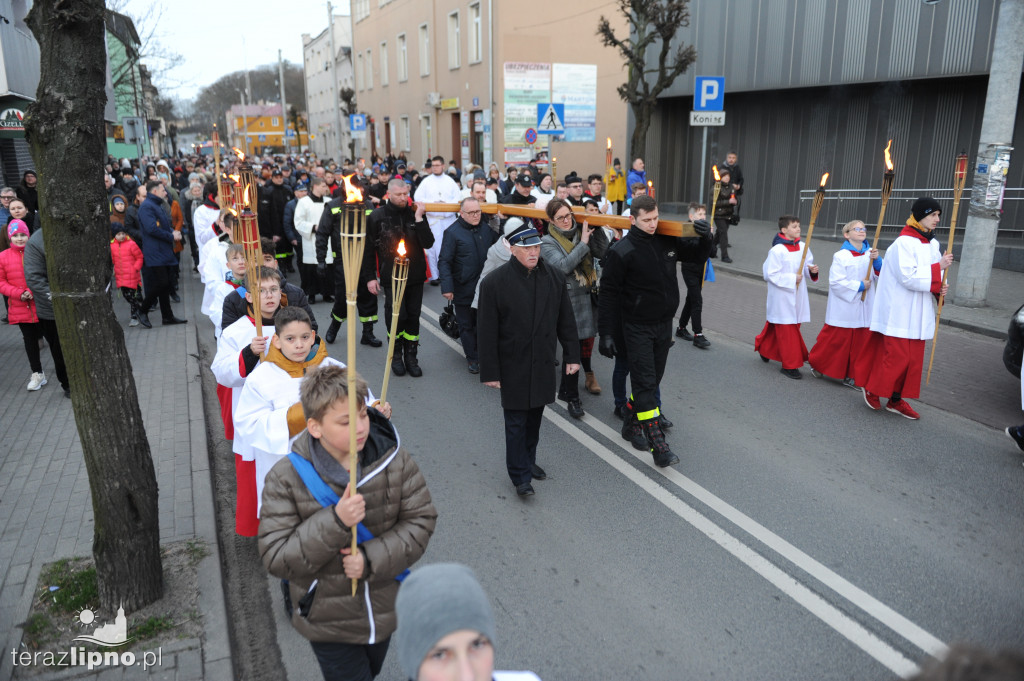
(45, 504)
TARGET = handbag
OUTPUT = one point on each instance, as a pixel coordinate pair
(448, 322)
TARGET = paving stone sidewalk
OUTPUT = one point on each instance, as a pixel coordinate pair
(45, 505)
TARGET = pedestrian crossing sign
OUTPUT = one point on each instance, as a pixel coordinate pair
(550, 119)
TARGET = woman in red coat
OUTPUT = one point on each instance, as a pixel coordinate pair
(21, 307)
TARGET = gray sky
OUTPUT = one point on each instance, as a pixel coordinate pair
(209, 34)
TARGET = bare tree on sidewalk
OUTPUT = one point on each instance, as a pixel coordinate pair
(653, 25)
(66, 132)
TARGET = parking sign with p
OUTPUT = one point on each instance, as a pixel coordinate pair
(709, 94)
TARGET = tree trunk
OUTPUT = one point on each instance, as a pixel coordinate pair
(638, 141)
(65, 129)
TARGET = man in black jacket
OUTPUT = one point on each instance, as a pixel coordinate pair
(732, 164)
(524, 309)
(273, 199)
(639, 296)
(463, 252)
(329, 230)
(392, 222)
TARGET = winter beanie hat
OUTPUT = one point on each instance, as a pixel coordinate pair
(925, 206)
(17, 227)
(433, 602)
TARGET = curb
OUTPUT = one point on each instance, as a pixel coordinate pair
(212, 605)
(954, 323)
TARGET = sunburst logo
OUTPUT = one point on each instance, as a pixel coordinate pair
(86, 617)
(112, 635)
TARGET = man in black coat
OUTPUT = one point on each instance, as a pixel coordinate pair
(524, 309)
(394, 221)
(328, 234)
(463, 253)
(639, 296)
(273, 199)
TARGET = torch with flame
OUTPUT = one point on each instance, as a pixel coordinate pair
(711, 215)
(887, 179)
(608, 153)
(959, 179)
(650, 188)
(399, 278)
(216, 166)
(819, 197)
(554, 169)
(239, 153)
(250, 239)
(353, 242)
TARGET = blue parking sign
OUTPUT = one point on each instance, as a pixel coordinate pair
(709, 94)
(357, 122)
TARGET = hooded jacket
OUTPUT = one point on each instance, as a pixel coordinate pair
(13, 285)
(127, 257)
(300, 540)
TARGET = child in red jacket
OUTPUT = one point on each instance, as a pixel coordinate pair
(21, 306)
(127, 257)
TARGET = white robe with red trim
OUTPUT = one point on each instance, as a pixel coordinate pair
(845, 309)
(787, 304)
(904, 305)
(227, 368)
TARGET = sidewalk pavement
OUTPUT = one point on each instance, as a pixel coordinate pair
(751, 239)
(45, 503)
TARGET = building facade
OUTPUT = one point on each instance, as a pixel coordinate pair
(260, 129)
(324, 82)
(462, 79)
(812, 85)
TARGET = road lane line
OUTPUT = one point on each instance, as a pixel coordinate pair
(849, 628)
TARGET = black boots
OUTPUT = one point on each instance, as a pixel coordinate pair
(412, 364)
(631, 428)
(332, 331)
(368, 337)
(655, 437)
(397, 365)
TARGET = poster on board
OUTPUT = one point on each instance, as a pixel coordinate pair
(526, 85)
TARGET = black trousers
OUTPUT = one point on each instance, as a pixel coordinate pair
(366, 303)
(647, 346)
(721, 236)
(30, 334)
(350, 661)
(522, 433)
(158, 282)
(693, 276)
(409, 312)
(466, 317)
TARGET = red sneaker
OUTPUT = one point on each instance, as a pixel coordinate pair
(902, 408)
(872, 400)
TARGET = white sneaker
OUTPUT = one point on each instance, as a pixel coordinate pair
(133, 322)
(37, 381)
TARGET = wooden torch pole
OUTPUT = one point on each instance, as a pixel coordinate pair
(399, 278)
(819, 197)
(711, 215)
(959, 179)
(887, 181)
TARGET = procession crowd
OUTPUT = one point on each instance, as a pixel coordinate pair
(518, 287)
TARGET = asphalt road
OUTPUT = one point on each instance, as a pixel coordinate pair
(801, 537)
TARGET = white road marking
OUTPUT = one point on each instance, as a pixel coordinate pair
(818, 606)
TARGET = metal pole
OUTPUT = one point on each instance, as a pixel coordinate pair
(975, 271)
(334, 81)
(284, 106)
(703, 163)
(245, 125)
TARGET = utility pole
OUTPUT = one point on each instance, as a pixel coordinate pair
(334, 82)
(245, 125)
(975, 271)
(284, 107)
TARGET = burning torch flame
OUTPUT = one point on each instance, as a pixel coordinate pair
(234, 178)
(352, 192)
(246, 195)
(888, 157)
(238, 153)
(824, 179)
(401, 248)
(609, 143)
(718, 177)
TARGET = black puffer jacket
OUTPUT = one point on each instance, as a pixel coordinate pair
(463, 253)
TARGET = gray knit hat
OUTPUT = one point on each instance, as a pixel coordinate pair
(433, 602)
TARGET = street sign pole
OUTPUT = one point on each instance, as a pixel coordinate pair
(703, 161)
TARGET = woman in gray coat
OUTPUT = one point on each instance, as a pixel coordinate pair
(575, 250)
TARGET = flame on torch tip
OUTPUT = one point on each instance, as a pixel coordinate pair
(609, 143)
(824, 179)
(650, 183)
(401, 248)
(718, 177)
(352, 192)
(238, 153)
(888, 157)
(246, 194)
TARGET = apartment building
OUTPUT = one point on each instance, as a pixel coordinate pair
(324, 82)
(462, 78)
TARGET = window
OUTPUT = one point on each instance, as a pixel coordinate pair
(403, 133)
(403, 60)
(360, 9)
(475, 38)
(384, 63)
(359, 72)
(453, 40)
(369, 70)
(275, 121)
(424, 50)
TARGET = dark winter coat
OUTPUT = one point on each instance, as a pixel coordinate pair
(385, 227)
(328, 232)
(638, 281)
(157, 233)
(289, 221)
(694, 251)
(235, 307)
(301, 541)
(36, 276)
(273, 199)
(463, 253)
(131, 223)
(28, 195)
(522, 314)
